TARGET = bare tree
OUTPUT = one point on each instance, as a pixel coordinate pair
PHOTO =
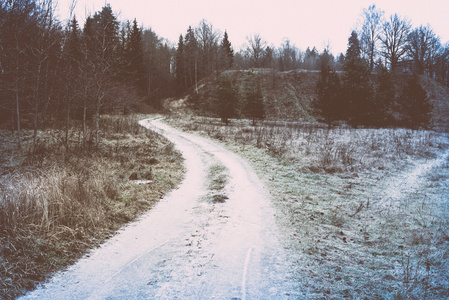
(370, 34)
(255, 49)
(442, 65)
(394, 39)
(208, 46)
(18, 38)
(45, 51)
(288, 57)
(100, 42)
(423, 47)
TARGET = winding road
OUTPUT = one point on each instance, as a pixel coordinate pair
(196, 243)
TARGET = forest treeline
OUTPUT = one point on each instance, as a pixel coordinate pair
(56, 73)
(366, 94)
(53, 73)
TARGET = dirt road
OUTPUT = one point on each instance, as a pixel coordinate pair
(214, 237)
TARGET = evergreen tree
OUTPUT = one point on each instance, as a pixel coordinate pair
(135, 61)
(226, 96)
(70, 79)
(384, 99)
(329, 92)
(180, 67)
(107, 31)
(227, 53)
(191, 57)
(158, 62)
(74, 44)
(268, 59)
(353, 52)
(340, 62)
(357, 86)
(311, 59)
(254, 106)
(416, 105)
(19, 34)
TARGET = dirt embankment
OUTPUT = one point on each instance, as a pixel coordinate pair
(289, 96)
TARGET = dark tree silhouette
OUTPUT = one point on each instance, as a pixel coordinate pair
(191, 57)
(254, 105)
(422, 47)
(394, 40)
(357, 85)
(226, 97)
(328, 89)
(385, 98)
(227, 53)
(180, 66)
(417, 106)
(135, 60)
(370, 34)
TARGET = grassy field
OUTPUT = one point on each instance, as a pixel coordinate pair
(58, 200)
(365, 211)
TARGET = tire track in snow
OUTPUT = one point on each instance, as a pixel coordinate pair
(409, 182)
(187, 247)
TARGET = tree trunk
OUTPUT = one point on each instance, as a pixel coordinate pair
(67, 123)
(97, 119)
(19, 138)
(84, 120)
(36, 104)
(97, 124)
(196, 74)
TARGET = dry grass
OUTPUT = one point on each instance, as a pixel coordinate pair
(352, 235)
(313, 148)
(59, 200)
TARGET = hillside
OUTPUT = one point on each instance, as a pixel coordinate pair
(287, 95)
(290, 95)
(439, 95)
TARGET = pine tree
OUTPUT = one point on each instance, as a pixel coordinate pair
(74, 44)
(311, 59)
(357, 86)
(329, 92)
(180, 67)
(254, 106)
(134, 53)
(226, 97)
(191, 57)
(71, 77)
(227, 53)
(353, 52)
(416, 104)
(268, 58)
(384, 99)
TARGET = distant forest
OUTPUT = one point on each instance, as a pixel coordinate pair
(57, 73)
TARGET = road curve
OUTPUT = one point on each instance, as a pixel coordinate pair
(189, 246)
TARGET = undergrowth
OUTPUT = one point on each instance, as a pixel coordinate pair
(314, 148)
(60, 199)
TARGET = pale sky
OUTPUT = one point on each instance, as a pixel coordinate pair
(305, 23)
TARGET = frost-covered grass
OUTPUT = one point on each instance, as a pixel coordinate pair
(314, 148)
(58, 200)
(356, 223)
